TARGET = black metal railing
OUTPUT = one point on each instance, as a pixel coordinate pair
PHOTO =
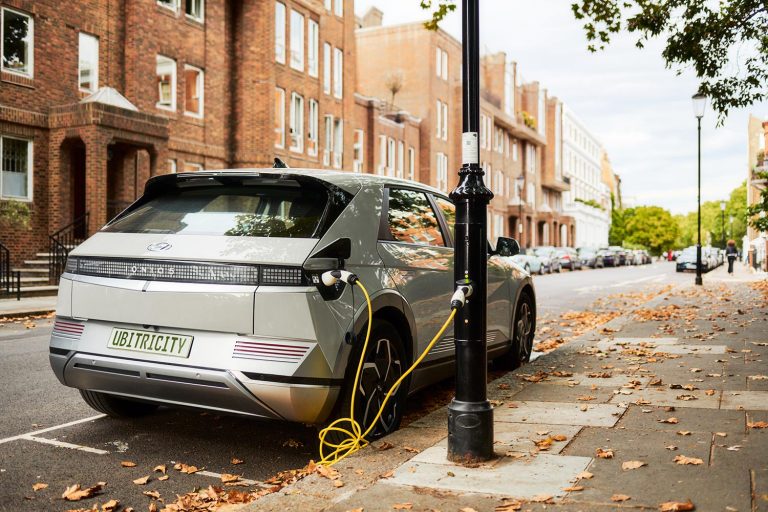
(63, 241)
(10, 281)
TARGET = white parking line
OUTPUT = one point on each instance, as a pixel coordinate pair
(586, 289)
(243, 480)
(62, 444)
(57, 427)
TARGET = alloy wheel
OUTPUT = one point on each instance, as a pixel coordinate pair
(382, 367)
(523, 328)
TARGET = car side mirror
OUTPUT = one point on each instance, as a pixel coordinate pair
(506, 247)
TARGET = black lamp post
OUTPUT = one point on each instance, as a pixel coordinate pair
(470, 415)
(722, 221)
(519, 182)
(699, 105)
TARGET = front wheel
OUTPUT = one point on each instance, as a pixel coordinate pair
(115, 406)
(523, 330)
(385, 362)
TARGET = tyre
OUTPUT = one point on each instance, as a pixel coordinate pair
(385, 361)
(559, 269)
(115, 406)
(523, 330)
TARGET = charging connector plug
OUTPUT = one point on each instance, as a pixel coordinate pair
(332, 276)
(460, 296)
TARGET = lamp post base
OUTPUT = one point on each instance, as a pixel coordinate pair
(699, 281)
(470, 431)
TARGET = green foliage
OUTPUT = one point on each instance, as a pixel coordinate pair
(590, 202)
(441, 10)
(757, 214)
(15, 214)
(617, 232)
(713, 221)
(650, 227)
(724, 42)
(529, 120)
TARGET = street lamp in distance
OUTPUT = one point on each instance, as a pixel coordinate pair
(519, 183)
(699, 105)
(722, 221)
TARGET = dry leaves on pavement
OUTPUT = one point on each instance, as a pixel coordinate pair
(142, 481)
(509, 506)
(39, 486)
(160, 469)
(620, 497)
(184, 468)
(677, 506)
(128, 464)
(604, 454)
(672, 421)
(757, 424)
(683, 460)
(632, 464)
(77, 493)
(402, 506)
(235, 461)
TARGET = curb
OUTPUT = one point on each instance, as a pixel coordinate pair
(31, 312)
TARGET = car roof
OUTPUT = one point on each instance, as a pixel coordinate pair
(345, 180)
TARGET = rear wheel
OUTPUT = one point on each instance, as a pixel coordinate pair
(115, 406)
(385, 362)
(523, 331)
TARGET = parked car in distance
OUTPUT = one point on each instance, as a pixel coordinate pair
(621, 255)
(590, 257)
(549, 257)
(530, 262)
(687, 260)
(610, 258)
(208, 292)
(569, 258)
(641, 257)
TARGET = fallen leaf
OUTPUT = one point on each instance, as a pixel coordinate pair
(161, 468)
(632, 464)
(292, 443)
(338, 483)
(683, 432)
(683, 460)
(671, 447)
(184, 468)
(604, 454)
(585, 474)
(152, 494)
(542, 498)
(236, 461)
(583, 408)
(110, 506)
(39, 486)
(411, 450)
(757, 424)
(656, 382)
(676, 506)
(758, 377)
(76, 493)
(402, 506)
(709, 392)
(385, 446)
(721, 434)
(467, 509)
(163, 478)
(141, 481)
(509, 506)
(620, 497)
(559, 438)
(672, 421)
(128, 464)
(227, 478)
(686, 397)
(734, 448)
(574, 488)
(586, 398)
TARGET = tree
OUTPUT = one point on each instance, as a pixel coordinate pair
(712, 221)
(723, 42)
(757, 214)
(616, 232)
(651, 227)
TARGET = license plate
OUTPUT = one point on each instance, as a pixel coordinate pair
(163, 343)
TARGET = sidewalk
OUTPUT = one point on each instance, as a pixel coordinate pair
(27, 306)
(670, 405)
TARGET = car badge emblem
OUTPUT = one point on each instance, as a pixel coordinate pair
(159, 246)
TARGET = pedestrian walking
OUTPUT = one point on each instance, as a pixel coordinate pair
(731, 253)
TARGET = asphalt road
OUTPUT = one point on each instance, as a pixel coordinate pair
(48, 434)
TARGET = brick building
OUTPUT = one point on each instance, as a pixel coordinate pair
(97, 97)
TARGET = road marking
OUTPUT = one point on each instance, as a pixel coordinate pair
(587, 289)
(62, 444)
(243, 480)
(57, 427)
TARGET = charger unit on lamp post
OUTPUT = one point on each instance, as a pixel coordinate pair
(470, 415)
(699, 105)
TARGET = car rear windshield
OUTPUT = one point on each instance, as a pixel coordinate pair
(285, 210)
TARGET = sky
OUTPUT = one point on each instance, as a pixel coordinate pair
(638, 109)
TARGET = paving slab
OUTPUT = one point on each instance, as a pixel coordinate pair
(557, 392)
(558, 413)
(520, 478)
(730, 422)
(668, 397)
(754, 400)
(616, 380)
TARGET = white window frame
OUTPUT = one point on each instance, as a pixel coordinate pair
(30, 41)
(83, 39)
(411, 163)
(358, 151)
(327, 70)
(280, 117)
(445, 121)
(328, 5)
(280, 41)
(382, 155)
(313, 127)
(338, 143)
(391, 148)
(483, 135)
(328, 128)
(338, 8)
(173, 167)
(30, 174)
(174, 83)
(439, 123)
(515, 155)
(442, 171)
(444, 68)
(400, 159)
(172, 6)
(196, 167)
(297, 40)
(338, 73)
(313, 53)
(199, 17)
(438, 60)
(296, 123)
(200, 90)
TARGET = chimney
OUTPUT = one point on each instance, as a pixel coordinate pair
(373, 18)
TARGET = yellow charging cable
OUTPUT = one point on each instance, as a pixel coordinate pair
(355, 438)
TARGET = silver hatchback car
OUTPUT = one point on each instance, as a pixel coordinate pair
(207, 292)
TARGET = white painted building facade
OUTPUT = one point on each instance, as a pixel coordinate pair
(581, 163)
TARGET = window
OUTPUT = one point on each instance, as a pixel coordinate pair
(297, 40)
(442, 172)
(328, 140)
(382, 154)
(483, 135)
(411, 163)
(279, 118)
(18, 42)
(339, 7)
(314, 49)
(530, 195)
(487, 175)
(530, 158)
(172, 166)
(441, 63)
(88, 63)
(192, 167)
(439, 123)
(338, 72)
(390, 157)
(449, 213)
(166, 83)
(488, 128)
(194, 9)
(15, 168)
(328, 5)
(194, 88)
(358, 151)
(498, 182)
(400, 159)
(444, 68)
(326, 68)
(509, 90)
(338, 143)
(279, 33)
(412, 220)
(514, 151)
(313, 127)
(445, 121)
(498, 225)
(169, 4)
(297, 123)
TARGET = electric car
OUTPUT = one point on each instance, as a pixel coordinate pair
(207, 292)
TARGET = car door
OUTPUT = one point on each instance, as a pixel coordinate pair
(417, 253)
